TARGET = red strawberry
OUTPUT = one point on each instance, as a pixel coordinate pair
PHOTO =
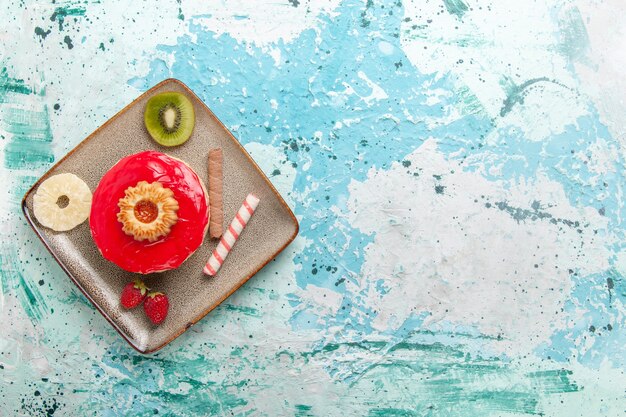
(156, 306)
(134, 293)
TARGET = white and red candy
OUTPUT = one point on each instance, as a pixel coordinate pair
(231, 235)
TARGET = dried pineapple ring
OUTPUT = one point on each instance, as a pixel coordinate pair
(62, 202)
(148, 211)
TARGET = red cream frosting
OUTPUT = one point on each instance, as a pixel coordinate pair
(186, 235)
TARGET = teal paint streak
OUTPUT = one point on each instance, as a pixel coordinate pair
(456, 7)
(31, 299)
(33, 124)
(13, 281)
(331, 347)
(303, 410)
(21, 153)
(517, 93)
(60, 13)
(31, 136)
(11, 85)
(7, 272)
(25, 121)
(503, 401)
(413, 379)
(446, 377)
(28, 151)
(456, 334)
(151, 378)
(553, 381)
(391, 412)
(573, 36)
(248, 311)
(469, 104)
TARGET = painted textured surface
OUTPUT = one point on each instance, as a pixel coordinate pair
(456, 166)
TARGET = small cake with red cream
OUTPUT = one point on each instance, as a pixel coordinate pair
(149, 213)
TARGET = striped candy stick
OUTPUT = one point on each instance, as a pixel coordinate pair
(231, 235)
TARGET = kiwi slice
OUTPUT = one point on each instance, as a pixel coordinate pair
(169, 118)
